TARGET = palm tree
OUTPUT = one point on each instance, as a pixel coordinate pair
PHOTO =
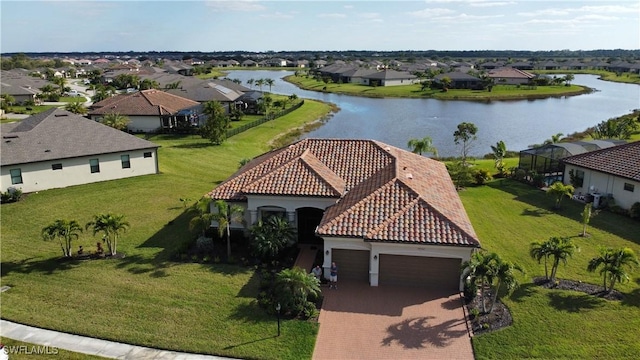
(560, 190)
(269, 237)
(560, 249)
(586, 217)
(202, 215)
(293, 287)
(499, 153)
(418, 146)
(60, 81)
(613, 262)
(111, 225)
(259, 83)
(479, 269)
(116, 121)
(76, 108)
(224, 215)
(505, 278)
(539, 251)
(250, 82)
(63, 230)
(554, 139)
(269, 82)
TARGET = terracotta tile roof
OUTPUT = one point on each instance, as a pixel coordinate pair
(146, 102)
(621, 160)
(384, 194)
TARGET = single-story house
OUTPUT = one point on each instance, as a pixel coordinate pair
(510, 76)
(612, 172)
(383, 214)
(392, 78)
(547, 159)
(56, 149)
(460, 80)
(148, 110)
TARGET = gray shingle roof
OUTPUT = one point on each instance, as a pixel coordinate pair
(59, 134)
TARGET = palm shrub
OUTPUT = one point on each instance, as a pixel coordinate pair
(490, 271)
(110, 225)
(63, 230)
(271, 236)
(296, 290)
(559, 191)
(612, 264)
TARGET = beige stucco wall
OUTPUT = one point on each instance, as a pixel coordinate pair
(76, 171)
(606, 184)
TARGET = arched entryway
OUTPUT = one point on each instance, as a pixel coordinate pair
(308, 220)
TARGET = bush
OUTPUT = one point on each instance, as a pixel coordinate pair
(204, 245)
(470, 291)
(481, 176)
(12, 195)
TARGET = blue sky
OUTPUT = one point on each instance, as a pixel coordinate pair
(68, 26)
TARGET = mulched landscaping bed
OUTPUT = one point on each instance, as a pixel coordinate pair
(591, 289)
(500, 317)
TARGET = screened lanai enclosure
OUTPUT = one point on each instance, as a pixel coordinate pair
(546, 159)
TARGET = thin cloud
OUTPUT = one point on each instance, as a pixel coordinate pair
(242, 5)
(277, 15)
(369, 15)
(332, 15)
(430, 12)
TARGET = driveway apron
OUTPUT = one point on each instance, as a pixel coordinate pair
(386, 322)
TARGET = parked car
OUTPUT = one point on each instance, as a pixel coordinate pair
(72, 93)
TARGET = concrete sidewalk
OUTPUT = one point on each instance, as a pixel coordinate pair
(86, 345)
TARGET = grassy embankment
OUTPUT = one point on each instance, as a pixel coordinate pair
(146, 298)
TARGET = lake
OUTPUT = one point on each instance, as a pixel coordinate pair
(518, 123)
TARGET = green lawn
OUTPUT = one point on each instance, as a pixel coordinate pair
(499, 92)
(508, 216)
(145, 298)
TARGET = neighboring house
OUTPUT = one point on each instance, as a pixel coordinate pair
(392, 78)
(148, 110)
(460, 80)
(56, 149)
(385, 215)
(510, 76)
(547, 159)
(611, 172)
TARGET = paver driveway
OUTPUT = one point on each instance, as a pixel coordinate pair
(362, 322)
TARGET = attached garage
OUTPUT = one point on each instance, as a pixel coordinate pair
(352, 264)
(429, 272)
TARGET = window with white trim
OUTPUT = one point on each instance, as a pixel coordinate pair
(16, 176)
(126, 163)
(95, 166)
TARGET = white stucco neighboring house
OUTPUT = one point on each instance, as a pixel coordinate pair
(56, 149)
(385, 215)
(612, 172)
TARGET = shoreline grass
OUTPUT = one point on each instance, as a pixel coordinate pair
(498, 93)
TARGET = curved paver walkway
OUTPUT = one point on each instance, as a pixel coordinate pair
(91, 346)
(358, 321)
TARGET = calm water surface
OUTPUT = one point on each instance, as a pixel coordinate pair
(518, 123)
